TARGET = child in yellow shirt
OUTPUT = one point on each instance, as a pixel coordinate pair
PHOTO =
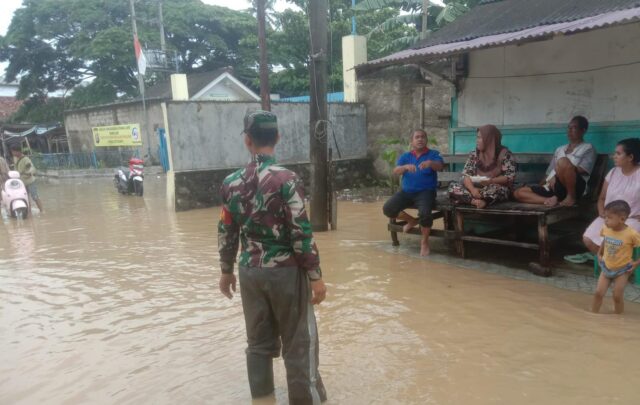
(616, 254)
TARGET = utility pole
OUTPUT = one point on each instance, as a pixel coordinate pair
(264, 68)
(163, 43)
(425, 16)
(318, 23)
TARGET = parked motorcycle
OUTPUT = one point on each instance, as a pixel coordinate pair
(15, 198)
(130, 181)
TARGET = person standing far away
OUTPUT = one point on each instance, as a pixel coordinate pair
(4, 171)
(279, 267)
(27, 174)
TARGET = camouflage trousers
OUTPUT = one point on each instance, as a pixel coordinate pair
(278, 315)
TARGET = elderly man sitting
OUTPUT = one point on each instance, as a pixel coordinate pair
(568, 172)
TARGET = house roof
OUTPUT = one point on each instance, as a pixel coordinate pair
(501, 22)
(195, 81)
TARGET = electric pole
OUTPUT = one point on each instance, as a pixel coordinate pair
(318, 23)
(265, 97)
(425, 16)
(163, 43)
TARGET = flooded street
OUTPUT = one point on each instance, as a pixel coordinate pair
(108, 299)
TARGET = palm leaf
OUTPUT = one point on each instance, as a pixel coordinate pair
(450, 12)
(366, 5)
(393, 22)
(401, 43)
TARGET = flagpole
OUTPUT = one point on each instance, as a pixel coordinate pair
(138, 48)
(136, 43)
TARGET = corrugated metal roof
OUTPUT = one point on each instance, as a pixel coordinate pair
(441, 50)
(502, 16)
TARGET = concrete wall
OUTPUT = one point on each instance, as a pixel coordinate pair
(207, 135)
(201, 188)
(540, 94)
(78, 124)
(393, 100)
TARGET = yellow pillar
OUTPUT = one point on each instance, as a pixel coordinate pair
(179, 87)
(354, 53)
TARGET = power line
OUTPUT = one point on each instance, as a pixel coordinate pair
(557, 73)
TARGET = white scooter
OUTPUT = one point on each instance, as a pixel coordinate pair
(15, 199)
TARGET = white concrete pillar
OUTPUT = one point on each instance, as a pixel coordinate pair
(354, 53)
(179, 87)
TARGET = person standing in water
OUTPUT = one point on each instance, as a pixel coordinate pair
(279, 268)
(27, 174)
(616, 254)
(419, 170)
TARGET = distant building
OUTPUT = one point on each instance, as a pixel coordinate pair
(8, 102)
(218, 85)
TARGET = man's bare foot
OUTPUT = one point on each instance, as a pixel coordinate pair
(409, 225)
(424, 249)
(479, 203)
(551, 202)
(568, 202)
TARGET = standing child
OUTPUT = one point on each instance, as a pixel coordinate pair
(616, 254)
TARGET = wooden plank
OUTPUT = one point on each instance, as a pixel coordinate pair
(521, 177)
(503, 242)
(522, 158)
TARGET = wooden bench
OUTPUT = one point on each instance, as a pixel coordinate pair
(509, 212)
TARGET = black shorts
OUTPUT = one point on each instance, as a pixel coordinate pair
(559, 190)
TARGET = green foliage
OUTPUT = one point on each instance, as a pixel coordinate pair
(87, 45)
(391, 149)
(39, 110)
(437, 17)
(288, 43)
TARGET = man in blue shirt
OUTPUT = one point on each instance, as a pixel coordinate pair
(419, 170)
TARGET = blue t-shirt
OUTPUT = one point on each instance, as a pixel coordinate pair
(426, 179)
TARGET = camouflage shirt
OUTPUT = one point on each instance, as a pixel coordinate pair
(263, 208)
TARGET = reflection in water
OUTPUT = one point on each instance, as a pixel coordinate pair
(113, 299)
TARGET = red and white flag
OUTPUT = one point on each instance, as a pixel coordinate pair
(142, 60)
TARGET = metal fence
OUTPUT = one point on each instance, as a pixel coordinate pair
(83, 160)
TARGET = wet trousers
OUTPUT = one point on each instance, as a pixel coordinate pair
(278, 315)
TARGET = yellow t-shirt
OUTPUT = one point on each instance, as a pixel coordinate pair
(618, 246)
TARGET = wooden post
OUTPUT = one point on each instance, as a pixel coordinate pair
(318, 23)
(459, 226)
(265, 97)
(543, 241)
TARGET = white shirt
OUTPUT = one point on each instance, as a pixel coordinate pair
(582, 156)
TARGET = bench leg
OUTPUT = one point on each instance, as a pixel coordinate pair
(394, 235)
(459, 228)
(543, 241)
(543, 268)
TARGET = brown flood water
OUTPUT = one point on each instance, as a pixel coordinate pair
(113, 300)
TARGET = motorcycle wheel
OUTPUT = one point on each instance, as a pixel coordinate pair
(139, 188)
(21, 213)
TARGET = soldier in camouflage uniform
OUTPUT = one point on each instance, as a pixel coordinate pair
(279, 268)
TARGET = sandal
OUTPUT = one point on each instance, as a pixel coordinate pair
(580, 258)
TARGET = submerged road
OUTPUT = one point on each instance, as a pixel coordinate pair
(108, 299)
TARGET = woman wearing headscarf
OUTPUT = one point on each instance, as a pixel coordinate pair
(489, 173)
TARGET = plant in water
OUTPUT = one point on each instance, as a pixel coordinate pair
(391, 149)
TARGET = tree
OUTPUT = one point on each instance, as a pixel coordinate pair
(85, 47)
(289, 43)
(413, 17)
